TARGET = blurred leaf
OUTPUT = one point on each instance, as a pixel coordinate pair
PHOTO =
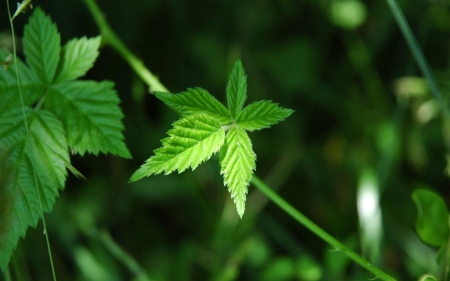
(308, 269)
(348, 14)
(432, 217)
(279, 269)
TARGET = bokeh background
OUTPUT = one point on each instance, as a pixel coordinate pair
(365, 133)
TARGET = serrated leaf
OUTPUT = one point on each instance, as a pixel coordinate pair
(77, 57)
(91, 114)
(193, 140)
(31, 88)
(237, 163)
(237, 89)
(262, 114)
(196, 100)
(41, 45)
(432, 224)
(20, 206)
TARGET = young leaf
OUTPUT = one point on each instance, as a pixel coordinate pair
(432, 224)
(91, 114)
(237, 89)
(20, 206)
(78, 56)
(196, 100)
(237, 162)
(41, 45)
(22, 7)
(193, 140)
(261, 114)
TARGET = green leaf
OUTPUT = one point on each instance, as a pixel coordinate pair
(262, 114)
(41, 44)
(91, 114)
(237, 162)
(193, 140)
(196, 100)
(32, 89)
(237, 89)
(432, 224)
(20, 206)
(78, 56)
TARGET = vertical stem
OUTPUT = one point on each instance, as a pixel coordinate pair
(416, 51)
(317, 230)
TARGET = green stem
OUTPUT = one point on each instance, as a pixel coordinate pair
(317, 230)
(154, 83)
(416, 51)
(109, 37)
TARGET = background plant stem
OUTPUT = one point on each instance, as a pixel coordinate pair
(280, 202)
(110, 37)
(416, 51)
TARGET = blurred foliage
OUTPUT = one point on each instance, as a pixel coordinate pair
(359, 102)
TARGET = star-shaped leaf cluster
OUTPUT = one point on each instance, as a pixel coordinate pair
(62, 114)
(207, 126)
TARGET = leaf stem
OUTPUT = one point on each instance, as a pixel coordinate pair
(416, 51)
(109, 37)
(317, 230)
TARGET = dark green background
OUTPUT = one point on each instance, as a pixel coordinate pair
(347, 120)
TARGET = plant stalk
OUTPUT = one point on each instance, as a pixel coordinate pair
(314, 228)
(417, 52)
(109, 37)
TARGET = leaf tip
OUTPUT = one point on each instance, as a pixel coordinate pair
(240, 206)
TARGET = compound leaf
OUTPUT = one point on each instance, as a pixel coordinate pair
(20, 206)
(91, 114)
(78, 56)
(193, 140)
(41, 45)
(196, 100)
(237, 89)
(237, 162)
(262, 114)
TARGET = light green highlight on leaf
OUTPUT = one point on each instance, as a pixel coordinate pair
(77, 57)
(20, 205)
(262, 114)
(41, 45)
(196, 100)
(237, 163)
(237, 89)
(193, 140)
(432, 224)
(91, 115)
